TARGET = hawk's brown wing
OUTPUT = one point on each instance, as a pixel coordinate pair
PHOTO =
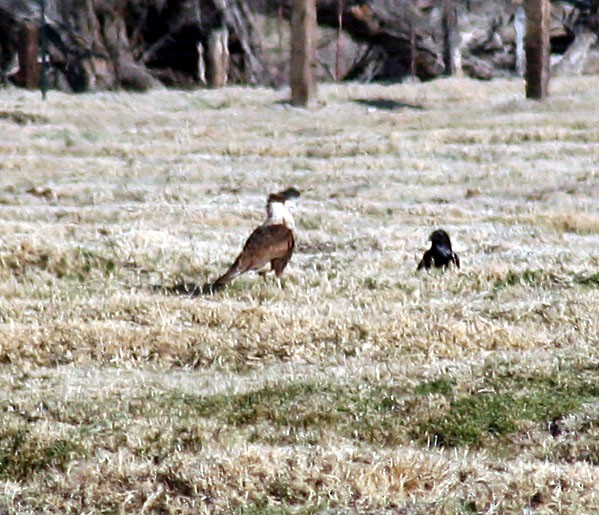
(267, 244)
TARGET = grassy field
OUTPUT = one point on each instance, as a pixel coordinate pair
(357, 385)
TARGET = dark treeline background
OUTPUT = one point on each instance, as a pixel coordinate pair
(142, 44)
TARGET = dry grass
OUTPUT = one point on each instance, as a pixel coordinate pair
(359, 386)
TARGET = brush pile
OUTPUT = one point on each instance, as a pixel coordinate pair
(144, 44)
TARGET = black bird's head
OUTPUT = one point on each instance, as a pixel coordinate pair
(440, 238)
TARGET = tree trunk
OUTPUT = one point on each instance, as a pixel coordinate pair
(537, 48)
(218, 57)
(452, 55)
(303, 23)
(29, 68)
(594, 18)
(338, 74)
(520, 31)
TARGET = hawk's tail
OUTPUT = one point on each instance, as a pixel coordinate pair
(233, 271)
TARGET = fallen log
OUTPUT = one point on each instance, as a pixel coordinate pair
(574, 60)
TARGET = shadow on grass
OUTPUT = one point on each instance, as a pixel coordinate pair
(387, 104)
(185, 289)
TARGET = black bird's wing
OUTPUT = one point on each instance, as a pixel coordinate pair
(426, 260)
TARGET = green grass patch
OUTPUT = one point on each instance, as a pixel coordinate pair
(23, 452)
(384, 415)
(70, 264)
(443, 386)
(468, 421)
(524, 278)
(588, 280)
(307, 413)
(23, 118)
(502, 405)
(304, 411)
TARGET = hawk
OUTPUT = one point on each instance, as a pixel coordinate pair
(440, 254)
(270, 243)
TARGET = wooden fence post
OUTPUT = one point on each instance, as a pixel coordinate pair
(303, 51)
(537, 48)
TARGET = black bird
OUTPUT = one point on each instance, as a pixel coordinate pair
(440, 255)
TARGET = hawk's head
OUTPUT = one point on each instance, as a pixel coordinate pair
(283, 196)
(277, 207)
(290, 193)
